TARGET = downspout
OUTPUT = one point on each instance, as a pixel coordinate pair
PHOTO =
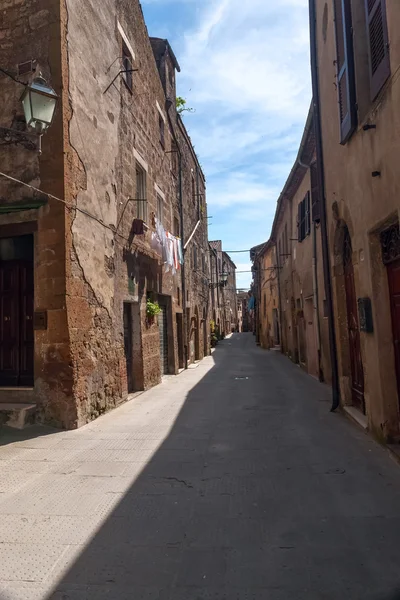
(324, 227)
(182, 223)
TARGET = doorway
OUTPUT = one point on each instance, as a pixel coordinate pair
(393, 270)
(16, 311)
(357, 371)
(179, 330)
(275, 317)
(196, 334)
(163, 330)
(205, 336)
(128, 345)
(311, 340)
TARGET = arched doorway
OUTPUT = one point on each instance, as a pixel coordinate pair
(357, 371)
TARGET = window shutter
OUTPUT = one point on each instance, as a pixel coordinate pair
(345, 69)
(315, 193)
(299, 222)
(378, 43)
(307, 225)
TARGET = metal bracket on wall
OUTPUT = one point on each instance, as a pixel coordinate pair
(117, 75)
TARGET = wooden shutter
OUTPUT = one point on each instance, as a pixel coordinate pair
(378, 43)
(345, 69)
(315, 193)
(307, 219)
(299, 221)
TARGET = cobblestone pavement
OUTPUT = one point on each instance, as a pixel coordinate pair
(231, 481)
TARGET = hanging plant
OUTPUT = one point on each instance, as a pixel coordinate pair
(152, 309)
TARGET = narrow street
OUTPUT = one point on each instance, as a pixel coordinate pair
(231, 481)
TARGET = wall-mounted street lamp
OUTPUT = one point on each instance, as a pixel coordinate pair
(39, 102)
(223, 281)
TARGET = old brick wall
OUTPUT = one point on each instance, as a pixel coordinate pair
(109, 131)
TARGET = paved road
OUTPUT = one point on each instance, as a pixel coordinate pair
(230, 482)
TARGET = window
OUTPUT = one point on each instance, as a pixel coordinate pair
(303, 219)
(345, 68)
(176, 227)
(178, 296)
(203, 263)
(160, 208)
(378, 44)
(127, 65)
(141, 193)
(285, 243)
(161, 125)
(279, 252)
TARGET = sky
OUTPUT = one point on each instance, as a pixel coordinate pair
(245, 72)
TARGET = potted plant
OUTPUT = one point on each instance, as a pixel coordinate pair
(152, 310)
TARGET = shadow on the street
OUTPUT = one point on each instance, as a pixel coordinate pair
(208, 517)
(9, 435)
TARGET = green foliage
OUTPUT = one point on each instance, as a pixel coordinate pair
(181, 105)
(152, 309)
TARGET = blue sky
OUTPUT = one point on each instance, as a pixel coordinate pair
(245, 71)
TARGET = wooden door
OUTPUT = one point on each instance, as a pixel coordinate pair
(356, 366)
(16, 324)
(393, 270)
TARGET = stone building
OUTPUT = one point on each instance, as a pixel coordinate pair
(223, 289)
(242, 311)
(288, 271)
(266, 284)
(82, 264)
(356, 46)
(190, 184)
(229, 294)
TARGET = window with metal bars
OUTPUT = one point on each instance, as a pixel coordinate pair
(378, 44)
(346, 87)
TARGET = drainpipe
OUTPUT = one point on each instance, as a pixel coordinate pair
(324, 227)
(182, 224)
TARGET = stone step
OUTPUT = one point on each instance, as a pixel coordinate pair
(16, 414)
(17, 395)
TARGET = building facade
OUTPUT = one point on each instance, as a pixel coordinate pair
(192, 220)
(356, 45)
(288, 271)
(222, 289)
(84, 260)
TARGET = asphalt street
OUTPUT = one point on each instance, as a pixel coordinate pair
(232, 481)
